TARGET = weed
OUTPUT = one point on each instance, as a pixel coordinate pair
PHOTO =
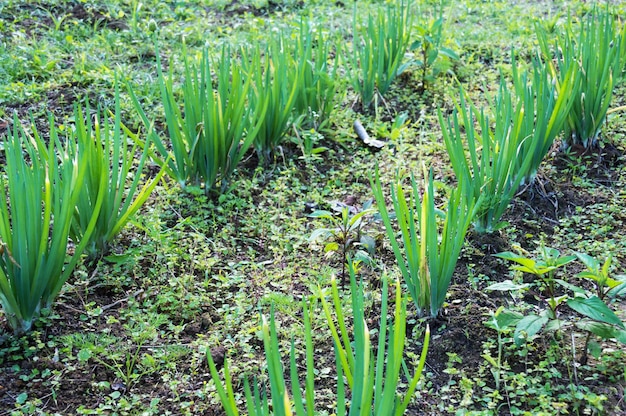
(432, 57)
(346, 233)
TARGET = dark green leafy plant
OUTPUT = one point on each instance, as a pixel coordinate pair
(432, 240)
(608, 290)
(595, 57)
(598, 273)
(544, 270)
(433, 58)
(599, 319)
(371, 377)
(38, 196)
(344, 233)
(213, 127)
(379, 49)
(108, 155)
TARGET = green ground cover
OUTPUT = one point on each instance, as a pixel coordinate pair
(213, 248)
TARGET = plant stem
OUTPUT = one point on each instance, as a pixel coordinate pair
(583, 358)
(574, 356)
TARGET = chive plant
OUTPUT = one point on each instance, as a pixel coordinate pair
(540, 113)
(213, 127)
(106, 148)
(596, 56)
(371, 376)
(317, 85)
(276, 78)
(429, 247)
(504, 154)
(493, 165)
(40, 188)
(379, 49)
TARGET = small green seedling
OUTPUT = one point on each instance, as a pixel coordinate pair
(345, 233)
